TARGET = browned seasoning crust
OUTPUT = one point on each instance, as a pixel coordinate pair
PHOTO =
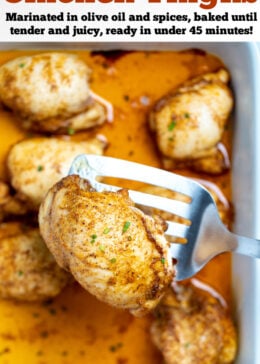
(192, 327)
(112, 249)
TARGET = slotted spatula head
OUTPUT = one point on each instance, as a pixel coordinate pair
(204, 237)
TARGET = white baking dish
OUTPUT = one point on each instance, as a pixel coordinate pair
(243, 62)
(242, 59)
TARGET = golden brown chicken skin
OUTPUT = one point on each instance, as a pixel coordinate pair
(50, 92)
(113, 250)
(28, 271)
(36, 164)
(192, 327)
(189, 123)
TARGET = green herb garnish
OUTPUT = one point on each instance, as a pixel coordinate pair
(113, 260)
(186, 115)
(106, 230)
(102, 248)
(126, 226)
(71, 131)
(172, 125)
(40, 168)
(115, 347)
(93, 238)
(163, 260)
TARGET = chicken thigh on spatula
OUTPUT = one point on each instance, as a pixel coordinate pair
(113, 249)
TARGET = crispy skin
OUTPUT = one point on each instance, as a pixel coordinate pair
(112, 249)
(189, 123)
(36, 164)
(50, 92)
(28, 271)
(192, 327)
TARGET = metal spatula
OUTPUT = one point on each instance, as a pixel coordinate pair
(205, 237)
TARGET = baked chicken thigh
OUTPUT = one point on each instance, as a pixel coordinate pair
(50, 92)
(113, 249)
(192, 327)
(190, 121)
(36, 164)
(28, 271)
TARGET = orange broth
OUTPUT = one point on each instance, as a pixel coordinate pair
(75, 327)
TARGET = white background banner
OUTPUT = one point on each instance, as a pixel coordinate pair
(136, 21)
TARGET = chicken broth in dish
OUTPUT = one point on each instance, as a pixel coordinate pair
(74, 326)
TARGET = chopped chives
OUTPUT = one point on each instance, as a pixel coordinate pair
(126, 226)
